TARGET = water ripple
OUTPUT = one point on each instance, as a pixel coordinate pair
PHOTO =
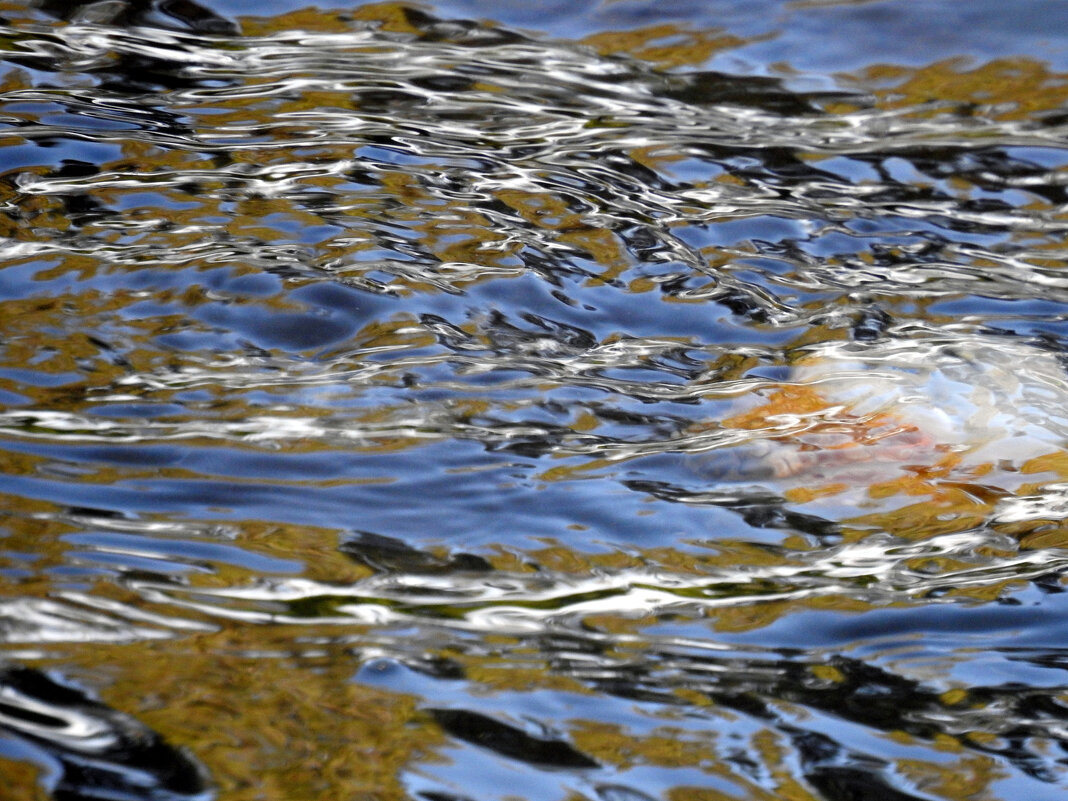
(372, 376)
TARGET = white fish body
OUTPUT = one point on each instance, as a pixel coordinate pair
(859, 413)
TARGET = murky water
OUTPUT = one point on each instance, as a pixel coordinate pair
(614, 401)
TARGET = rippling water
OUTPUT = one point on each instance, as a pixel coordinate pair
(544, 401)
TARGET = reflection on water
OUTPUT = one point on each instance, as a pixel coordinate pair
(101, 753)
(399, 406)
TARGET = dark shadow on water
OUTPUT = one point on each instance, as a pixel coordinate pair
(101, 754)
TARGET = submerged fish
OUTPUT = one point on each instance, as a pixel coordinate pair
(858, 414)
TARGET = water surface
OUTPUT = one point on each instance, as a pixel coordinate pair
(557, 401)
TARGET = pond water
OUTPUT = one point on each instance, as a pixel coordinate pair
(550, 401)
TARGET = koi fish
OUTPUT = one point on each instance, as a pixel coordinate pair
(859, 413)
